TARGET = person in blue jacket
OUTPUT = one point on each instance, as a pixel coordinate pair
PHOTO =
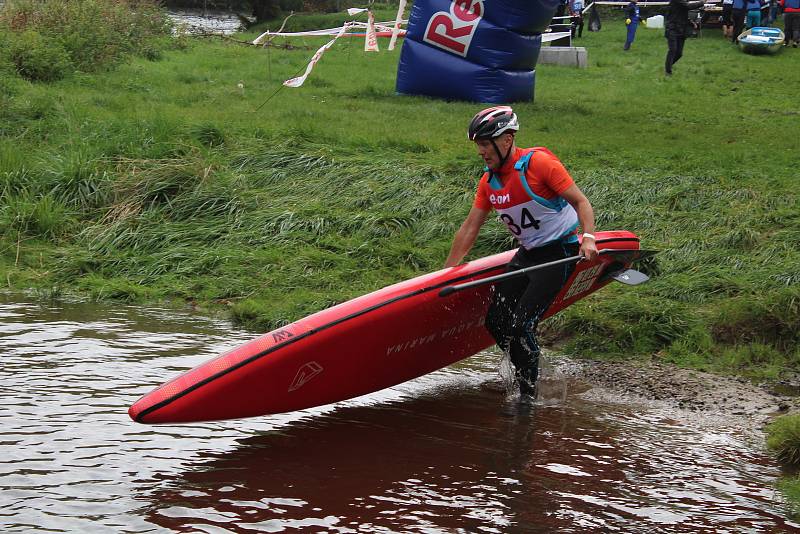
(738, 14)
(632, 20)
(753, 13)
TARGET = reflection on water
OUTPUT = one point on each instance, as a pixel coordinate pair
(446, 452)
(206, 21)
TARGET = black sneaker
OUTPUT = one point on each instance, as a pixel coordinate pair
(526, 389)
(526, 400)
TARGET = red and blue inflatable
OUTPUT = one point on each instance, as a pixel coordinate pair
(477, 50)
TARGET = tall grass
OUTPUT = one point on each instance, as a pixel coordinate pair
(179, 186)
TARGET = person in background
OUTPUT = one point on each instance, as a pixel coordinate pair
(632, 21)
(676, 29)
(541, 205)
(753, 14)
(562, 8)
(772, 13)
(738, 14)
(727, 21)
(576, 12)
(791, 22)
(695, 22)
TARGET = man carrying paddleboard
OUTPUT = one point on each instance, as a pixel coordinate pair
(537, 199)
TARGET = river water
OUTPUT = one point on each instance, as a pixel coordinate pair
(448, 452)
(196, 21)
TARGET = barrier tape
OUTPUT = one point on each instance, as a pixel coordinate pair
(401, 10)
(298, 81)
(623, 4)
(552, 36)
(371, 41)
(379, 27)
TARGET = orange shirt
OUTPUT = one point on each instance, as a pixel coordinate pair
(546, 176)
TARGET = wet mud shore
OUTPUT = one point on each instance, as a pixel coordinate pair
(684, 389)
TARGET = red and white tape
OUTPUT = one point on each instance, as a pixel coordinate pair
(300, 80)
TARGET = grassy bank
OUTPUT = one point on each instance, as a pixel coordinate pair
(783, 439)
(163, 179)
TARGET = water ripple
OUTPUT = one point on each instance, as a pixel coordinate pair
(445, 453)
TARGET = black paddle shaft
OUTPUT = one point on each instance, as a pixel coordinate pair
(513, 274)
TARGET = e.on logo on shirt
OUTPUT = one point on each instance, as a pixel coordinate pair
(453, 31)
(500, 199)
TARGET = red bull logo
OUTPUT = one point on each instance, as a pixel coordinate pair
(453, 31)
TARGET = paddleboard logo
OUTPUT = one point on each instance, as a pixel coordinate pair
(281, 335)
(304, 375)
(436, 336)
(584, 281)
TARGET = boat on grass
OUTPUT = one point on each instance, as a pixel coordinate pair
(761, 40)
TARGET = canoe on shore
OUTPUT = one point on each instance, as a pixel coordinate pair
(761, 40)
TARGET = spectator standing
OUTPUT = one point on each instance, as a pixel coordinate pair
(772, 13)
(576, 11)
(791, 22)
(632, 20)
(727, 20)
(753, 14)
(676, 29)
(738, 14)
(562, 8)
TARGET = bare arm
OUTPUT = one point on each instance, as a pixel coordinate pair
(465, 236)
(578, 200)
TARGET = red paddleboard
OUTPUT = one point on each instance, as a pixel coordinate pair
(363, 345)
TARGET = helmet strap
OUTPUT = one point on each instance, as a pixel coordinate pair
(501, 157)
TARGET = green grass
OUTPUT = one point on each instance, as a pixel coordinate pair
(167, 180)
(783, 439)
(790, 487)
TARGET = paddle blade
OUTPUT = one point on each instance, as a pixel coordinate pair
(630, 277)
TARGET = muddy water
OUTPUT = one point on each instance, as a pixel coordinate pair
(445, 453)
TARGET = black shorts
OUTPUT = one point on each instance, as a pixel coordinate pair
(727, 18)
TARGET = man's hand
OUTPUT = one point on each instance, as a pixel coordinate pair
(578, 200)
(588, 249)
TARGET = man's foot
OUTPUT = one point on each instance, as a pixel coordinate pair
(526, 400)
(526, 390)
